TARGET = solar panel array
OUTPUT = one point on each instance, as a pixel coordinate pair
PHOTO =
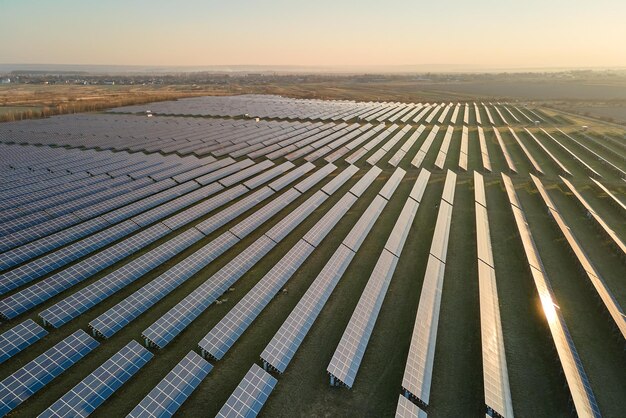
(417, 377)
(223, 335)
(609, 301)
(168, 326)
(119, 216)
(18, 338)
(579, 387)
(617, 242)
(165, 399)
(250, 395)
(93, 390)
(36, 374)
(346, 360)
(285, 343)
(498, 401)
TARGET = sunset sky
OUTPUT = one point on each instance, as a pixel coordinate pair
(481, 33)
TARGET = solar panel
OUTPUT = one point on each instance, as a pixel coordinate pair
(449, 187)
(262, 215)
(339, 180)
(295, 218)
(205, 169)
(93, 390)
(290, 177)
(224, 171)
(406, 147)
(32, 296)
(250, 395)
(42, 245)
(268, 175)
(346, 360)
(556, 161)
(364, 182)
(419, 365)
(55, 260)
(391, 184)
(18, 338)
(529, 156)
(245, 173)
(421, 153)
(443, 151)
(283, 346)
(401, 229)
(89, 296)
(577, 381)
(505, 151)
(606, 296)
(315, 178)
(223, 335)
(417, 192)
(495, 375)
(168, 326)
(37, 373)
(194, 212)
(357, 234)
(231, 212)
(165, 399)
(464, 148)
(484, 152)
(613, 198)
(407, 409)
(615, 239)
(147, 296)
(316, 234)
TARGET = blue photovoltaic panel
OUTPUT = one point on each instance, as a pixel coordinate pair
(165, 399)
(347, 358)
(315, 178)
(19, 386)
(19, 337)
(141, 300)
(32, 296)
(93, 390)
(163, 330)
(283, 346)
(231, 212)
(219, 340)
(27, 251)
(250, 396)
(59, 258)
(86, 298)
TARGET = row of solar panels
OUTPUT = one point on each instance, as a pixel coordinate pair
(495, 373)
(29, 297)
(242, 383)
(315, 142)
(238, 179)
(579, 386)
(290, 109)
(417, 378)
(109, 204)
(133, 133)
(249, 396)
(73, 400)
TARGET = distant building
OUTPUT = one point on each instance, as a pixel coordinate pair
(5, 80)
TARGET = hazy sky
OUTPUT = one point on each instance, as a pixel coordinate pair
(483, 33)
